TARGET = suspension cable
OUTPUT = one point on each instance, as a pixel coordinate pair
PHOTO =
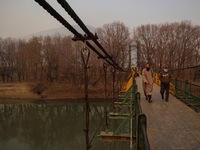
(71, 12)
(57, 16)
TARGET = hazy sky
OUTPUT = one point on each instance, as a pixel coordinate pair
(23, 17)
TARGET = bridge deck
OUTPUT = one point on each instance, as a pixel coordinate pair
(170, 125)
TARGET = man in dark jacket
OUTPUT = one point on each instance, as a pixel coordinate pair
(165, 78)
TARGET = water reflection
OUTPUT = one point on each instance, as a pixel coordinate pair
(50, 127)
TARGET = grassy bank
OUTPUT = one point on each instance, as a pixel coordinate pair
(49, 91)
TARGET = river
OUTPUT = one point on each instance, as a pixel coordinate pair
(52, 125)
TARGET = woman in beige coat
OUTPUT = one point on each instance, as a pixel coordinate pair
(147, 82)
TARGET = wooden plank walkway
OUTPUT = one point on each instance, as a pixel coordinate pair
(170, 125)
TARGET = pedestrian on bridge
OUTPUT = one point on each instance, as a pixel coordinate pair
(165, 78)
(147, 82)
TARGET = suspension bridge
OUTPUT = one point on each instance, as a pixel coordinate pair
(171, 125)
(159, 125)
(165, 123)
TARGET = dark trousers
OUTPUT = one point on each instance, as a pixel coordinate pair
(164, 88)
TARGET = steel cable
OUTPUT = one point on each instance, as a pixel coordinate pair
(71, 12)
(57, 16)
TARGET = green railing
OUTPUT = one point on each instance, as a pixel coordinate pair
(188, 93)
(139, 121)
(141, 124)
(131, 112)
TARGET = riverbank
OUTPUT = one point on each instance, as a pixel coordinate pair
(51, 91)
(17, 91)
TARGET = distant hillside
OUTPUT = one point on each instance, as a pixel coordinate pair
(61, 30)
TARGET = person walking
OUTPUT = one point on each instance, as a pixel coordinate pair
(165, 78)
(147, 82)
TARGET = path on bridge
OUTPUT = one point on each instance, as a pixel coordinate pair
(170, 125)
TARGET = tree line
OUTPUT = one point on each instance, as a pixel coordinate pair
(58, 58)
(39, 58)
(176, 45)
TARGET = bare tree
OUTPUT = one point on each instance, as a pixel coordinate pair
(115, 37)
(33, 57)
(175, 45)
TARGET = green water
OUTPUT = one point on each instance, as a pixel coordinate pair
(47, 125)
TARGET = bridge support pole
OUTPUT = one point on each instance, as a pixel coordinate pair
(113, 73)
(85, 53)
(186, 90)
(106, 111)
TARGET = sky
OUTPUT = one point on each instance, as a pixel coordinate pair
(20, 18)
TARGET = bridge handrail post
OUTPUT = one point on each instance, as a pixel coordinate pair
(132, 121)
(176, 84)
(186, 90)
(136, 106)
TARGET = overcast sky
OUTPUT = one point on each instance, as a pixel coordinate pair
(23, 17)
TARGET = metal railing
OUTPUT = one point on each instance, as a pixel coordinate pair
(142, 142)
(140, 123)
(129, 111)
(187, 92)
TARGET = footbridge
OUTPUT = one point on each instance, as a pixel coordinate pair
(171, 125)
(158, 125)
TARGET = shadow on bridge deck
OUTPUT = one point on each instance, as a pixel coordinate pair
(170, 125)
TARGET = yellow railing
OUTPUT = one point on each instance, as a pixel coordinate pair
(129, 83)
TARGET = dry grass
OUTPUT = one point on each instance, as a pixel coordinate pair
(52, 91)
